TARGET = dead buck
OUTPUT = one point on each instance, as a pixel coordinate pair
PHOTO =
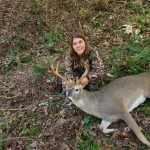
(114, 101)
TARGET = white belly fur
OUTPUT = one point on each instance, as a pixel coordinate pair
(137, 102)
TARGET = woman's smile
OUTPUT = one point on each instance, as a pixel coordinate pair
(79, 46)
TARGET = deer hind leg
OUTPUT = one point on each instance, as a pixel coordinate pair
(103, 126)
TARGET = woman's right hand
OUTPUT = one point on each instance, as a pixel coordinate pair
(85, 81)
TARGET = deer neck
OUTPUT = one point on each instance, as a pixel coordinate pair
(88, 99)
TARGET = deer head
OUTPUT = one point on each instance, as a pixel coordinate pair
(73, 88)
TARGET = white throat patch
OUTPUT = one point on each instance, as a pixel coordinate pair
(78, 103)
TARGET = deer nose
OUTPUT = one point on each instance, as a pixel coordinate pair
(68, 101)
(68, 94)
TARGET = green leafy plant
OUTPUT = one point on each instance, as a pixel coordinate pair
(86, 143)
(35, 12)
(98, 21)
(140, 21)
(132, 55)
(145, 107)
(143, 147)
(50, 104)
(129, 57)
(110, 143)
(17, 55)
(2, 41)
(23, 124)
(148, 137)
(49, 40)
(88, 121)
(19, 60)
(40, 65)
(32, 130)
(27, 147)
(6, 125)
(84, 11)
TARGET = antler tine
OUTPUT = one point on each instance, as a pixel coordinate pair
(56, 72)
(84, 74)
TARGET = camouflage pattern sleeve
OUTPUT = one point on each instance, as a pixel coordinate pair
(97, 67)
(69, 68)
(68, 71)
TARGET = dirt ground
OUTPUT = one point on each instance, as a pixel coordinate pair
(24, 103)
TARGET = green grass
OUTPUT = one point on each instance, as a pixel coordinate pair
(24, 124)
(129, 57)
(86, 143)
(89, 121)
(145, 107)
(32, 130)
(133, 53)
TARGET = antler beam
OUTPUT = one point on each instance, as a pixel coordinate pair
(56, 72)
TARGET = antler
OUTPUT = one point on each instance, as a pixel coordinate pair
(84, 74)
(67, 80)
(56, 73)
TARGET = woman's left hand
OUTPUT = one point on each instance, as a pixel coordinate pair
(84, 81)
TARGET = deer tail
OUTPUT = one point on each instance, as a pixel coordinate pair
(133, 125)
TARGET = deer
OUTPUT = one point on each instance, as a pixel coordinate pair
(114, 101)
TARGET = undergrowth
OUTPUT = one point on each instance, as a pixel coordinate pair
(131, 56)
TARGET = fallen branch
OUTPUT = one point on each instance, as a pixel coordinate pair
(13, 109)
(5, 97)
(14, 138)
(19, 109)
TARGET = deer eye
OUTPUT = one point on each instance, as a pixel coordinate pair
(76, 89)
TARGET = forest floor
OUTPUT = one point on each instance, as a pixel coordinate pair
(33, 113)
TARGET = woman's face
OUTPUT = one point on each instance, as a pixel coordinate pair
(79, 46)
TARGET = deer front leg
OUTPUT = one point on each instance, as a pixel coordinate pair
(103, 126)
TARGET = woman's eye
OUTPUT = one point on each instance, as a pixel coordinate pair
(80, 41)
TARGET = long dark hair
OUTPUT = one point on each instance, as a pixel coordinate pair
(72, 55)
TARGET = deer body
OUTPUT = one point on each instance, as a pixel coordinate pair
(114, 101)
(130, 91)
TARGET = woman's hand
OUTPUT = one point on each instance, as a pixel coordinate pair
(84, 81)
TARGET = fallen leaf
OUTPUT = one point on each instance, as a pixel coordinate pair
(26, 91)
(125, 134)
(34, 144)
(59, 123)
(10, 121)
(64, 146)
(62, 112)
(124, 63)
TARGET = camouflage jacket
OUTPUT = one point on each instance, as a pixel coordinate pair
(97, 69)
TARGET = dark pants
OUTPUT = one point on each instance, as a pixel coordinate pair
(89, 86)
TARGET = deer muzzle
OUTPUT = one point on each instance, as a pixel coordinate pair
(68, 96)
